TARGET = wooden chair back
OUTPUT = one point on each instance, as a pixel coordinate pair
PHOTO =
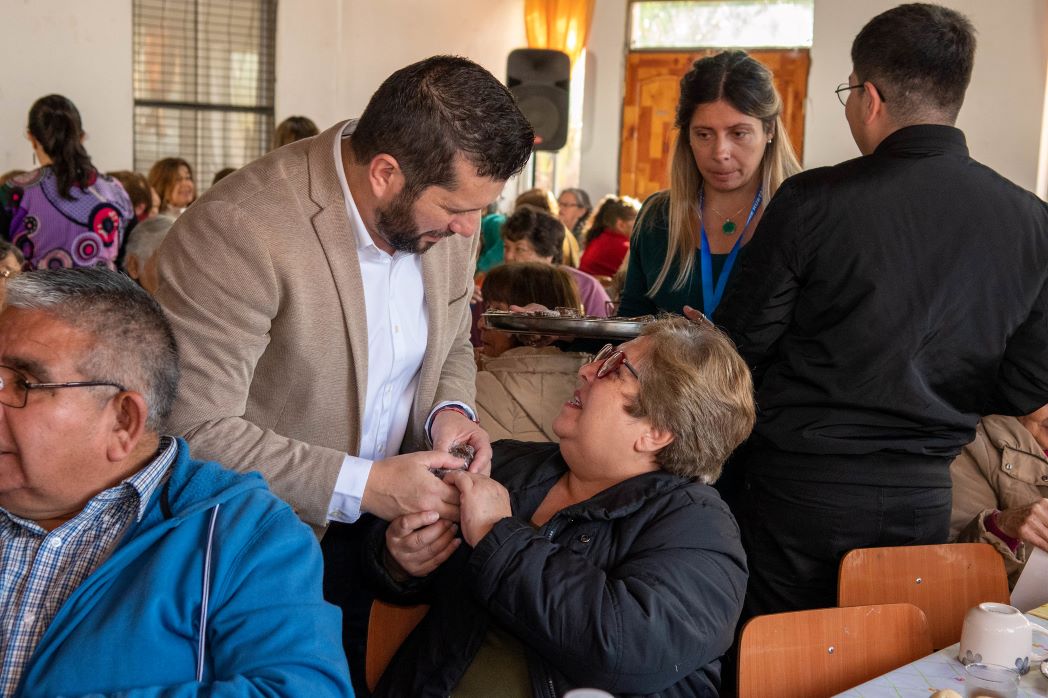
(388, 627)
(810, 654)
(944, 581)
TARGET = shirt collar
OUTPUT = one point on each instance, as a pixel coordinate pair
(364, 242)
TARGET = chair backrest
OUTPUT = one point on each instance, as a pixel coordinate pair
(809, 654)
(944, 581)
(388, 627)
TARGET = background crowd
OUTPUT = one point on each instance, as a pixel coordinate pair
(894, 348)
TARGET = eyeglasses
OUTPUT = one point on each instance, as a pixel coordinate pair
(611, 359)
(567, 204)
(14, 388)
(845, 87)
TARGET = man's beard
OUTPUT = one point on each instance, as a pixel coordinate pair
(396, 225)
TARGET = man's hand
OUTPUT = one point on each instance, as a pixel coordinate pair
(420, 543)
(450, 427)
(484, 503)
(405, 485)
(1028, 523)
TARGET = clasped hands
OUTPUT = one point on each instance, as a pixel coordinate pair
(423, 509)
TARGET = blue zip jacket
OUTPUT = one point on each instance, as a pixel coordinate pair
(132, 627)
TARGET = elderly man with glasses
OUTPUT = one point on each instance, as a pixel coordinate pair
(606, 560)
(128, 567)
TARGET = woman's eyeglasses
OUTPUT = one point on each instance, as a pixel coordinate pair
(611, 358)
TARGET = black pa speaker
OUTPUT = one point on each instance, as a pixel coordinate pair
(539, 79)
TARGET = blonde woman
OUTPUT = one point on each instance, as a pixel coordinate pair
(731, 155)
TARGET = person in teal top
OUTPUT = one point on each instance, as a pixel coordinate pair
(490, 241)
(730, 156)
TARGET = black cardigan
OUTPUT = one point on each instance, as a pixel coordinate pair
(635, 591)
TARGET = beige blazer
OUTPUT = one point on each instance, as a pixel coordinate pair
(261, 282)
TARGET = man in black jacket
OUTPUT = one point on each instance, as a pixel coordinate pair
(884, 304)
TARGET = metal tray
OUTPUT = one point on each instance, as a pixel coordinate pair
(594, 328)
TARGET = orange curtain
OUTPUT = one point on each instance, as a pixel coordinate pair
(559, 24)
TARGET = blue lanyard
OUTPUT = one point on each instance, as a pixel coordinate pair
(711, 298)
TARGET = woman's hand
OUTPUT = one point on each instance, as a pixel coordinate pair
(419, 543)
(482, 503)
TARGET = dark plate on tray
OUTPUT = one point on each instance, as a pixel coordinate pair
(593, 327)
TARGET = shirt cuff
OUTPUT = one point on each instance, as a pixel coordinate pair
(448, 403)
(349, 489)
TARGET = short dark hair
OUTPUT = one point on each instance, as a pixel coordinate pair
(425, 114)
(921, 56)
(134, 344)
(521, 283)
(543, 231)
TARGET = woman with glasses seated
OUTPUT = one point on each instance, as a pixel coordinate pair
(731, 154)
(606, 561)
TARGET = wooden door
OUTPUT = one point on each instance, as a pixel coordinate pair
(650, 103)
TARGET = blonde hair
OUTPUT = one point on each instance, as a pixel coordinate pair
(694, 384)
(747, 86)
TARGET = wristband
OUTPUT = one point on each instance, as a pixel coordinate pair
(455, 408)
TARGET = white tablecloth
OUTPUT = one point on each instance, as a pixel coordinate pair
(942, 670)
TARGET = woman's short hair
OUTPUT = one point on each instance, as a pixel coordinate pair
(694, 384)
(542, 230)
(293, 128)
(164, 174)
(520, 283)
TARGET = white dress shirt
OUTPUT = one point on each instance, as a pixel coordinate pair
(398, 323)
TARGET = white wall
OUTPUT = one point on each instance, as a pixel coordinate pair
(331, 54)
(77, 49)
(602, 115)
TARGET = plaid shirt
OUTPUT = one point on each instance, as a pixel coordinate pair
(39, 569)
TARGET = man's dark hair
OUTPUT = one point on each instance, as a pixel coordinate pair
(426, 113)
(543, 231)
(920, 58)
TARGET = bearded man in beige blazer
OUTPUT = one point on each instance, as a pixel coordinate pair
(320, 298)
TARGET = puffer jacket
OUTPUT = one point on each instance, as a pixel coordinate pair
(1003, 468)
(520, 392)
(635, 591)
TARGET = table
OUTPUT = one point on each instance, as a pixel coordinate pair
(941, 670)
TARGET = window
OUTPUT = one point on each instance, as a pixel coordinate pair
(723, 24)
(203, 82)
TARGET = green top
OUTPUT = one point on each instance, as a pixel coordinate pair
(648, 249)
(491, 241)
(499, 669)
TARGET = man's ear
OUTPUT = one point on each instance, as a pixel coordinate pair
(873, 103)
(385, 176)
(129, 424)
(653, 440)
(131, 266)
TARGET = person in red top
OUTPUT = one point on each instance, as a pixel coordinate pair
(608, 236)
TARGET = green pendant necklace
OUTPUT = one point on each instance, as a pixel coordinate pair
(729, 226)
